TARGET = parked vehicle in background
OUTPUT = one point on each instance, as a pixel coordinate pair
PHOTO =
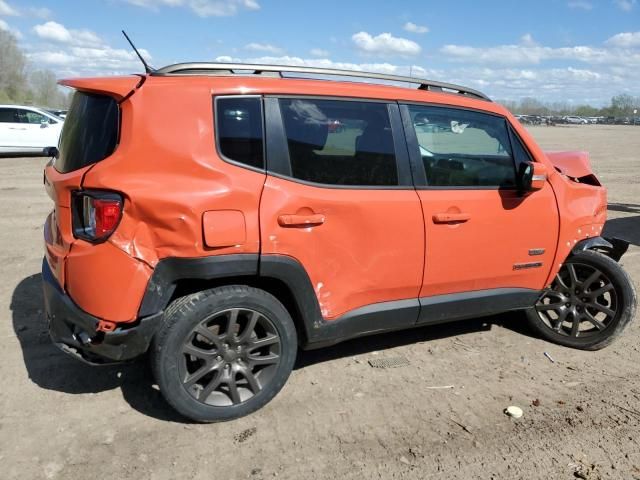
(27, 130)
(530, 119)
(607, 120)
(571, 119)
(244, 225)
(57, 112)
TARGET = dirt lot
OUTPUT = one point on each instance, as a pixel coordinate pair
(337, 417)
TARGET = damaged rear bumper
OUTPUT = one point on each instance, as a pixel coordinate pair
(75, 331)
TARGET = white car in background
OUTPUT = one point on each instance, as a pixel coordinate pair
(576, 120)
(27, 130)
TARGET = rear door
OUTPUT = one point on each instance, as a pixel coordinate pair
(482, 236)
(339, 199)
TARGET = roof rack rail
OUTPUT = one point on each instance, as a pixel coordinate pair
(203, 68)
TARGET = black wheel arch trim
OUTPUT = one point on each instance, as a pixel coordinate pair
(318, 332)
(169, 271)
(612, 247)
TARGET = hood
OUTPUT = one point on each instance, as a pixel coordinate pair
(573, 164)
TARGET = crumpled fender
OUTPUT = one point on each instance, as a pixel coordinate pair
(574, 164)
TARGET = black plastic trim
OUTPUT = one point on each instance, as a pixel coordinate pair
(479, 303)
(75, 331)
(386, 316)
(290, 272)
(367, 320)
(613, 247)
(277, 150)
(168, 271)
(403, 165)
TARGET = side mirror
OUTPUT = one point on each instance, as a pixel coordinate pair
(51, 152)
(531, 176)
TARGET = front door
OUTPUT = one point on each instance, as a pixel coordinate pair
(481, 234)
(341, 201)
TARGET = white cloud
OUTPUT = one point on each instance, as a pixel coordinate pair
(580, 4)
(625, 40)
(383, 67)
(566, 84)
(385, 44)
(264, 48)
(413, 28)
(319, 52)
(527, 39)
(89, 61)
(626, 5)
(7, 28)
(70, 52)
(202, 8)
(529, 53)
(42, 13)
(6, 9)
(59, 33)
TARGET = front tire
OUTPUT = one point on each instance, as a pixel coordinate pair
(223, 353)
(589, 303)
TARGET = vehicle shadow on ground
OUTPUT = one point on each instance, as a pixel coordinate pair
(51, 369)
(624, 207)
(625, 228)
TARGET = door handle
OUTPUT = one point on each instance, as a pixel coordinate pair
(312, 220)
(451, 217)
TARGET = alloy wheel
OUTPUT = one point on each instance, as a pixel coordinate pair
(581, 302)
(230, 357)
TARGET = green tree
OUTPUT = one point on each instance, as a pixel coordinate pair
(623, 104)
(13, 78)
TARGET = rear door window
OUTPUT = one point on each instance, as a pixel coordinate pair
(463, 148)
(340, 142)
(90, 131)
(239, 130)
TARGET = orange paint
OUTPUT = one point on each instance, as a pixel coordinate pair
(359, 246)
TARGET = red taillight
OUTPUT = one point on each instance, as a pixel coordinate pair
(96, 214)
(107, 216)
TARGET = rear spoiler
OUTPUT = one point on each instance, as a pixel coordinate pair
(120, 88)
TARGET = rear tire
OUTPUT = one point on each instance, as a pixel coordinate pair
(223, 353)
(589, 303)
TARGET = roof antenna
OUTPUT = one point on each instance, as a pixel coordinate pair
(147, 68)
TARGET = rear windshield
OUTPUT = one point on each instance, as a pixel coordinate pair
(90, 131)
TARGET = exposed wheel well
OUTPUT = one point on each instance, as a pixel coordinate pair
(274, 286)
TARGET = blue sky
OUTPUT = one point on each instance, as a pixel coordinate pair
(578, 51)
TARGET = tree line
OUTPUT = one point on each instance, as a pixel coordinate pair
(21, 83)
(622, 105)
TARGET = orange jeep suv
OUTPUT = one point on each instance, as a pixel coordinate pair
(220, 216)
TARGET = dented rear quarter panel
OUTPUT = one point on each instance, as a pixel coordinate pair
(168, 171)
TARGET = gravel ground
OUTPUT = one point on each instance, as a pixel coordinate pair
(337, 417)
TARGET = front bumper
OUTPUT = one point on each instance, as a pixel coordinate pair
(75, 331)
